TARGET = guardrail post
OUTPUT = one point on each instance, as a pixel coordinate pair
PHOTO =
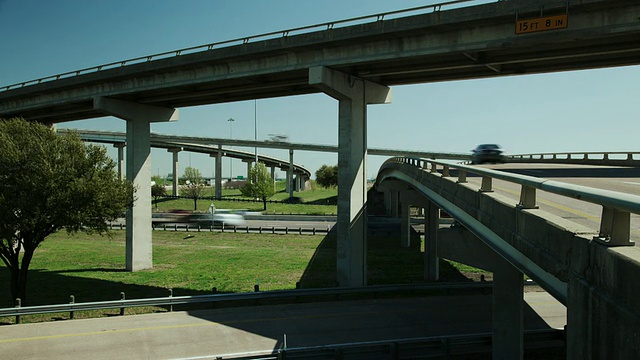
(434, 167)
(72, 300)
(170, 295)
(122, 297)
(615, 228)
(445, 171)
(487, 184)
(462, 177)
(18, 304)
(527, 198)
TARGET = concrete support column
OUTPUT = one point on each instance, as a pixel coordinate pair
(353, 95)
(139, 118)
(273, 176)
(139, 244)
(508, 318)
(249, 164)
(174, 170)
(290, 175)
(431, 226)
(405, 223)
(394, 203)
(121, 170)
(299, 178)
(218, 168)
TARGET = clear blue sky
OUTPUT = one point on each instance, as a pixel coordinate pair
(595, 110)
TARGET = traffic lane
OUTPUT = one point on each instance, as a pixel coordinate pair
(262, 328)
(581, 212)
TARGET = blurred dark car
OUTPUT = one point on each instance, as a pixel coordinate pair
(487, 153)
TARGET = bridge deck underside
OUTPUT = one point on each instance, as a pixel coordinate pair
(466, 43)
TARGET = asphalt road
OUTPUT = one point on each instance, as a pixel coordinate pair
(205, 334)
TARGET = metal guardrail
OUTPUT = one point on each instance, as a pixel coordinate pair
(610, 158)
(285, 230)
(425, 347)
(256, 296)
(227, 43)
(617, 206)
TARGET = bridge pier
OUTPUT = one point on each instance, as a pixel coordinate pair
(138, 118)
(290, 175)
(218, 167)
(508, 311)
(174, 168)
(353, 95)
(431, 226)
(121, 170)
(459, 244)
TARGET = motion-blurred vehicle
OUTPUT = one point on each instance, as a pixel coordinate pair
(218, 218)
(487, 153)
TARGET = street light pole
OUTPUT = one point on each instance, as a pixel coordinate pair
(230, 120)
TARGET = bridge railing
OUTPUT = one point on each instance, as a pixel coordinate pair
(617, 207)
(610, 158)
(237, 41)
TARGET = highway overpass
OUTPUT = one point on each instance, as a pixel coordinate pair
(588, 270)
(355, 62)
(297, 175)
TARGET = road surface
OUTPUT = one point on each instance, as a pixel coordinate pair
(205, 334)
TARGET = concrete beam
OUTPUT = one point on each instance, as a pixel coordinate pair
(353, 95)
(129, 111)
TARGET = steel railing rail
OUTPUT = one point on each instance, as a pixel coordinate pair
(599, 158)
(621, 202)
(227, 43)
(569, 155)
(212, 298)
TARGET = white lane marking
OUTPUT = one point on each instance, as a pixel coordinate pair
(631, 182)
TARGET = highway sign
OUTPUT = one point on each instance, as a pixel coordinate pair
(542, 24)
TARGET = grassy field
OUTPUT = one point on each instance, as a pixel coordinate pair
(317, 201)
(92, 268)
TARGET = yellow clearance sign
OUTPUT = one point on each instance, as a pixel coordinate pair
(542, 24)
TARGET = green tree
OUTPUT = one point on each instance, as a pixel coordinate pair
(48, 183)
(158, 191)
(194, 185)
(259, 184)
(327, 176)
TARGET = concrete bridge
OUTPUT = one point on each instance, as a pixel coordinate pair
(297, 175)
(590, 272)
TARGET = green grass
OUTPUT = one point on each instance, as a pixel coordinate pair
(317, 201)
(92, 268)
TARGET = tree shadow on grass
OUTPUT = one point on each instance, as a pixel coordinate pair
(57, 287)
(333, 200)
(387, 261)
